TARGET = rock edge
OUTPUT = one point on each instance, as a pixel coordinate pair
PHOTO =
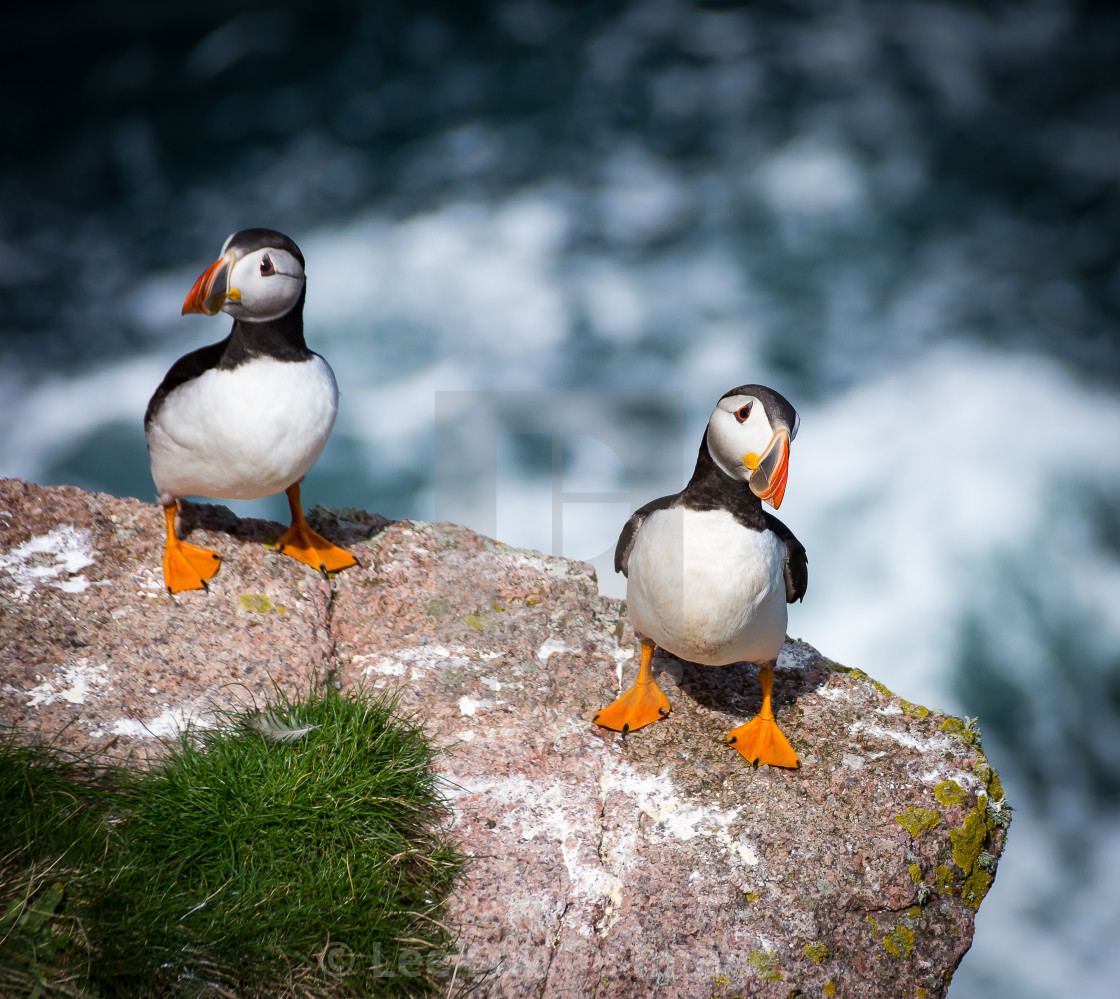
(659, 864)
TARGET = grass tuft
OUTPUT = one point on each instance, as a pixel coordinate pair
(246, 863)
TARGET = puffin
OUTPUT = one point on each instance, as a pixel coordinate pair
(248, 416)
(709, 572)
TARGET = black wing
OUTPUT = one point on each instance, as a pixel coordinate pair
(183, 370)
(630, 532)
(797, 562)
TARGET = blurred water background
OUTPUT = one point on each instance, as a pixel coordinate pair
(904, 216)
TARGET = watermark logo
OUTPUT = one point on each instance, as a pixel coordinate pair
(337, 959)
(558, 471)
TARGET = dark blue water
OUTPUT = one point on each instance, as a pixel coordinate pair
(902, 215)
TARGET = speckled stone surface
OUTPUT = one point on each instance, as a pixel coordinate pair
(660, 864)
(91, 641)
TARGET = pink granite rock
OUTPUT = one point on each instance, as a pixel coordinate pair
(660, 864)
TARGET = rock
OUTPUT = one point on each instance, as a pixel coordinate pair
(659, 864)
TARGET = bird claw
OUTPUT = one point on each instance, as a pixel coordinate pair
(761, 741)
(639, 706)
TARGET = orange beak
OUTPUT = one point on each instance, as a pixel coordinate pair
(211, 290)
(768, 481)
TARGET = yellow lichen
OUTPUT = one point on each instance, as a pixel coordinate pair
(259, 603)
(899, 942)
(968, 841)
(766, 963)
(915, 873)
(975, 887)
(480, 622)
(944, 880)
(987, 774)
(918, 820)
(816, 952)
(949, 792)
(917, 710)
(959, 730)
(829, 989)
(981, 865)
(860, 675)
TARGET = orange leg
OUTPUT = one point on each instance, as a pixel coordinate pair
(641, 704)
(304, 545)
(760, 740)
(186, 567)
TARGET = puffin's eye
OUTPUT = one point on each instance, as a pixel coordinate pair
(743, 412)
(266, 266)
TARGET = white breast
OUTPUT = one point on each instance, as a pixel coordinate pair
(706, 588)
(244, 433)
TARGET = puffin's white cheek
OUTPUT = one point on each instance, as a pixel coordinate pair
(270, 298)
(726, 453)
(264, 298)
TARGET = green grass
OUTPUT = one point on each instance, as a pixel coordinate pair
(239, 865)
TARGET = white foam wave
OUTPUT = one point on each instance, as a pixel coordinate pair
(945, 486)
(912, 491)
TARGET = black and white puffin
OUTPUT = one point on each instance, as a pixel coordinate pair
(246, 417)
(709, 572)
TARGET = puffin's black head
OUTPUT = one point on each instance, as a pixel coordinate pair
(748, 437)
(259, 276)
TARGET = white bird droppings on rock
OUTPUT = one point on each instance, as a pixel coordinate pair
(53, 559)
(171, 722)
(73, 684)
(548, 646)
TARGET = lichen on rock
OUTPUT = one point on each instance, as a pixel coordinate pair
(917, 820)
(654, 864)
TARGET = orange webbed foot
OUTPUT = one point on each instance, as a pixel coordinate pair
(761, 741)
(188, 567)
(304, 545)
(642, 704)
